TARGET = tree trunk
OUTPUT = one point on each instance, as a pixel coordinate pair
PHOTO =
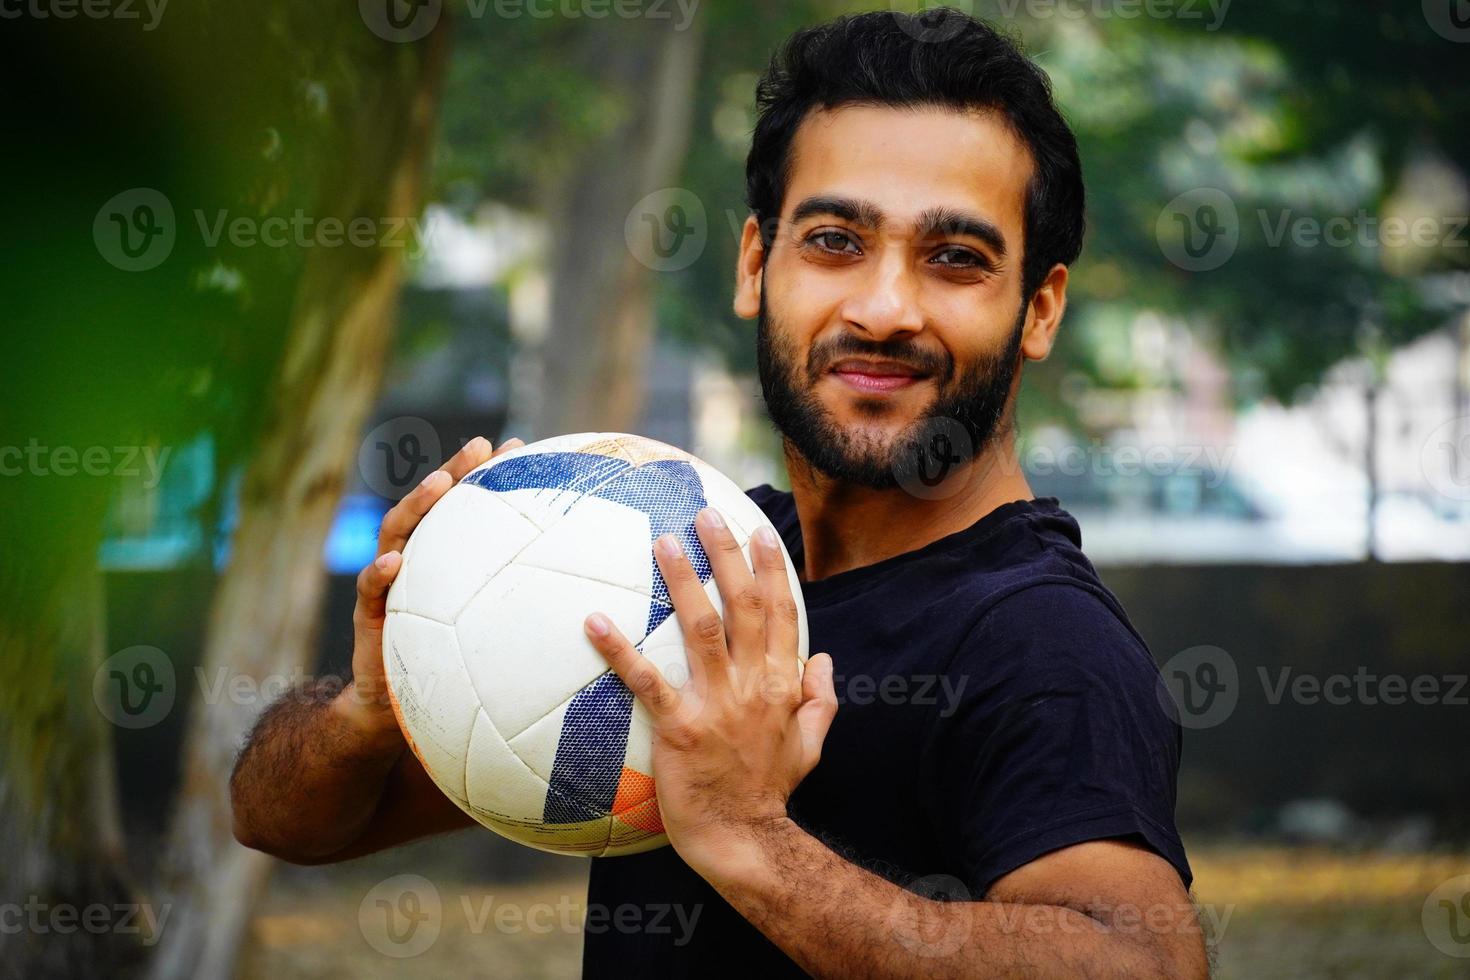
(263, 623)
(59, 833)
(594, 357)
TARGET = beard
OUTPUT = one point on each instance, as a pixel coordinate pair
(974, 399)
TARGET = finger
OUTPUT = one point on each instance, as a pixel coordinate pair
(507, 446)
(637, 671)
(818, 708)
(782, 615)
(372, 591)
(401, 520)
(405, 515)
(744, 605)
(470, 455)
(700, 622)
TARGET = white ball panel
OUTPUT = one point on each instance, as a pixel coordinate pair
(740, 511)
(436, 703)
(497, 783)
(536, 746)
(544, 508)
(524, 646)
(600, 540)
(468, 536)
(640, 740)
(398, 592)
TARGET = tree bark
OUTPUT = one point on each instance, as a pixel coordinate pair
(594, 358)
(60, 843)
(264, 619)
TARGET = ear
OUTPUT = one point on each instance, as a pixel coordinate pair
(749, 271)
(1044, 314)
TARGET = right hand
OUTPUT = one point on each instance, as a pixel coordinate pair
(365, 701)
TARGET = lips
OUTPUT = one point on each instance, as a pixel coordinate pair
(874, 375)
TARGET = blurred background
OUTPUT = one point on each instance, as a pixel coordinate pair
(267, 264)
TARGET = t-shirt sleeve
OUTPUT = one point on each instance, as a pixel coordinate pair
(1059, 737)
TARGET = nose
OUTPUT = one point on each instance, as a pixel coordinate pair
(886, 303)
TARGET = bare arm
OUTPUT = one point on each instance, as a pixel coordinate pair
(326, 774)
(1103, 909)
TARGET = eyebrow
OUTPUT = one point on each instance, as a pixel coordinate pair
(933, 221)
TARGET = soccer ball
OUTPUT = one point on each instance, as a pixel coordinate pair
(502, 697)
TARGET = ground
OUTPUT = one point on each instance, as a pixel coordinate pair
(1279, 912)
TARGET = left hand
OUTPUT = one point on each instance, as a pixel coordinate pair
(731, 745)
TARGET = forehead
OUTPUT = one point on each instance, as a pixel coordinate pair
(906, 160)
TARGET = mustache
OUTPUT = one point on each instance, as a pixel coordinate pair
(937, 364)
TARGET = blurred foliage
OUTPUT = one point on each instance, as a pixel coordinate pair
(1298, 110)
(231, 113)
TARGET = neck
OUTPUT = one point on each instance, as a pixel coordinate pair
(844, 526)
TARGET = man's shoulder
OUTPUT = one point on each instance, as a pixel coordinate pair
(779, 506)
(1060, 627)
(768, 498)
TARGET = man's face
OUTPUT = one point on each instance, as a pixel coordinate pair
(892, 293)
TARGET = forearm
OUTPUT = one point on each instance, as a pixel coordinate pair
(312, 775)
(836, 919)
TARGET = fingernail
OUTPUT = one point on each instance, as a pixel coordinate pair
(428, 479)
(668, 546)
(481, 444)
(767, 537)
(384, 560)
(597, 623)
(711, 518)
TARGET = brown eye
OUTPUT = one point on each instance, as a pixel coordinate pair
(833, 241)
(962, 258)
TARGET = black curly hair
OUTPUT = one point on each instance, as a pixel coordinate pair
(942, 57)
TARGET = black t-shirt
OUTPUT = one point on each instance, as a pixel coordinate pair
(995, 704)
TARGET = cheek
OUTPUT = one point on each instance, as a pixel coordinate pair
(973, 329)
(800, 313)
